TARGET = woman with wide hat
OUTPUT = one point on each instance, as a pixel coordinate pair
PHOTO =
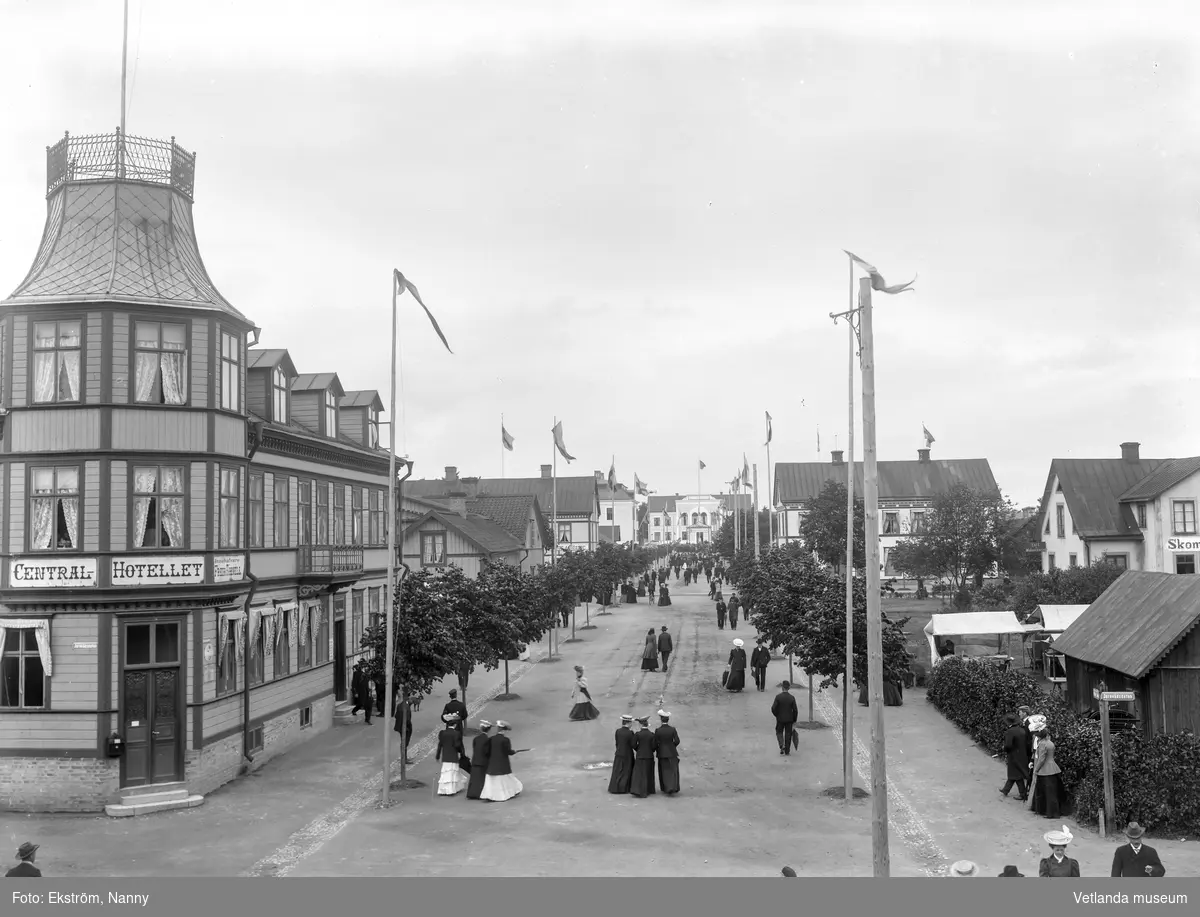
(1047, 775)
(963, 869)
(581, 698)
(1058, 865)
(736, 679)
(500, 785)
(452, 780)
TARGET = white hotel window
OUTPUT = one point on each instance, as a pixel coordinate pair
(54, 506)
(22, 676)
(56, 361)
(160, 364)
(158, 507)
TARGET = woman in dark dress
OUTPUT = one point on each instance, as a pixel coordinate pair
(479, 759)
(664, 597)
(450, 752)
(1048, 786)
(1058, 865)
(581, 698)
(642, 784)
(720, 613)
(737, 667)
(622, 769)
(650, 652)
(500, 784)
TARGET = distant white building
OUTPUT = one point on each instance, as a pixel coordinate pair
(691, 519)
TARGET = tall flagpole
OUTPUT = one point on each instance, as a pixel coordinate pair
(554, 543)
(754, 515)
(389, 655)
(879, 801)
(770, 494)
(124, 70)
(502, 445)
(847, 698)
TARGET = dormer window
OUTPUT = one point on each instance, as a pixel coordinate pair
(330, 415)
(279, 395)
(373, 429)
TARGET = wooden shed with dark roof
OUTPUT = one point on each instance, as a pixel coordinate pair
(1140, 636)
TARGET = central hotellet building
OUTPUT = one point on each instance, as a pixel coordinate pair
(195, 533)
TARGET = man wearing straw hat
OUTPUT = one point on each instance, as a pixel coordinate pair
(26, 854)
(963, 869)
(1136, 860)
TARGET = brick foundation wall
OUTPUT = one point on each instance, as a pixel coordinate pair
(29, 784)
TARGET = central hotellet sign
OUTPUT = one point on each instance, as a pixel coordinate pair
(158, 571)
(39, 573)
(1183, 545)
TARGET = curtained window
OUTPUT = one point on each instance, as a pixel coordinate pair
(256, 663)
(356, 515)
(158, 507)
(433, 549)
(255, 504)
(373, 429)
(227, 649)
(279, 395)
(564, 533)
(54, 509)
(24, 663)
(322, 513)
(283, 532)
(283, 644)
(231, 372)
(374, 535)
(56, 350)
(229, 508)
(330, 415)
(304, 507)
(160, 363)
(339, 514)
(376, 599)
(319, 628)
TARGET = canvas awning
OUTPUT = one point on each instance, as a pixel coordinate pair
(989, 623)
(1057, 618)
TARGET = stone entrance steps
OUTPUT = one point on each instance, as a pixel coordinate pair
(342, 715)
(163, 797)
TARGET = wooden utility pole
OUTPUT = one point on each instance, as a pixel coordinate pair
(1105, 698)
(879, 808)
(848, 679)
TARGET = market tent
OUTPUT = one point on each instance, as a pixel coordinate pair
(974, 623)
(1057, 618)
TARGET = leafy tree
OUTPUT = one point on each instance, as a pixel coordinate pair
(913, 557)
(722, 541)
(1072, 586)
(823, 527)
(499, 620)
(963, 539)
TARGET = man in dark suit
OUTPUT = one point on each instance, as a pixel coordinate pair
(734, 605)
(1016, 755)
(758, 664)
(26, 854)
(665, 646)
(456, 706)
(358, 690)
(1136, 860)
(786, 714)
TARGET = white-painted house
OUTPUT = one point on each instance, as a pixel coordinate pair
(1137, 513)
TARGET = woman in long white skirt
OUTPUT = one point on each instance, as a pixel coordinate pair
(500, 785)
(452, 780)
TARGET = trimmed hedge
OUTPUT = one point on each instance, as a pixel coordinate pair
(1156, 782)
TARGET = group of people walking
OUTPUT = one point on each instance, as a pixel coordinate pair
(487, 774)
(1030, 764)
(1132, 860)
(657, 645)
(636, 752)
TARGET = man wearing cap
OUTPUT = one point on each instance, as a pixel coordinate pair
(622, 769)
(786, 713)
(26, 854)
(666, 744)
(458, 708)
(665, 646)
(1136, 860)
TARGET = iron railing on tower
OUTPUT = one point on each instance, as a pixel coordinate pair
(100, 157)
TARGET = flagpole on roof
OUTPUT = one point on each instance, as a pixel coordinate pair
(502, 432)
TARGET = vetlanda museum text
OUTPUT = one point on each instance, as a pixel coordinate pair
(1121, 898)
(75, 898)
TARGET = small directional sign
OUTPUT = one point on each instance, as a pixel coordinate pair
(1117, 696)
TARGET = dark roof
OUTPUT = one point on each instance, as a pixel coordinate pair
(511, 512)
(1138, 620)
(412, 508)
(799, 482)
(298, 430)
(365, 398)
(663, 504)
(576, 495)
(1164, 477)
(485, 534)
(623, 492)
(318, 382)
(1093, 488)
(120, 242)
(270, 358)
(606, 533)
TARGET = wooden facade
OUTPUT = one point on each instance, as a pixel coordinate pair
(147, 571)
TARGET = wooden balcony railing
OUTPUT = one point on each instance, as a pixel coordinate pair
(332, 559)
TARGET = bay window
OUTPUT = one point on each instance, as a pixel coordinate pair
(54, 508)
(160, 363)
(157, 507)
(56, 349)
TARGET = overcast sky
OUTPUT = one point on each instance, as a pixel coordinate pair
(631, 215)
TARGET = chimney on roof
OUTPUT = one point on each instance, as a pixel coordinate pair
(457, 500)
(923, 456)
(451, 473)
(471, 486)
(1129, 452)
(837, 457)
(546, 471)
